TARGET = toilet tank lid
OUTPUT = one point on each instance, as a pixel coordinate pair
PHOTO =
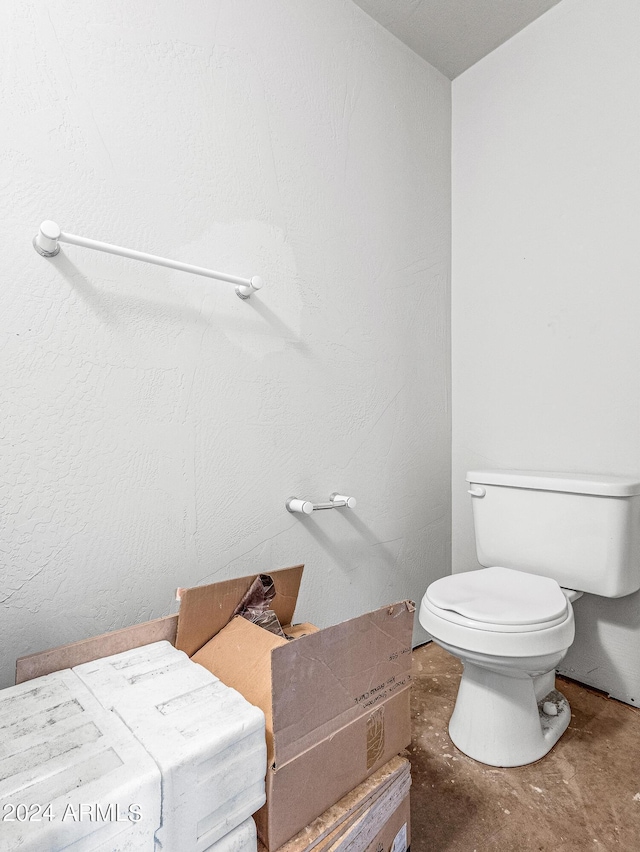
(575, 483)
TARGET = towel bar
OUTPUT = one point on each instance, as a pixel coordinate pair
(46, 242)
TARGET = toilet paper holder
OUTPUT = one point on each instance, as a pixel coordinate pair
(306, 507)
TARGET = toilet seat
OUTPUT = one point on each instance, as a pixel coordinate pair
(498, 599)
(499, 611)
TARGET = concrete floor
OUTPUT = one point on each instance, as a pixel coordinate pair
(584, 795)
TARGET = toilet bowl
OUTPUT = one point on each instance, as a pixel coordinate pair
(510, 630)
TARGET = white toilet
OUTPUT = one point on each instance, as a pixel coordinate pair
(546, 538)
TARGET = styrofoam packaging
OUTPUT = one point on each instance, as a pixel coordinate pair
(142, 675)
(72, 775)
(208, 741)
(244, 838)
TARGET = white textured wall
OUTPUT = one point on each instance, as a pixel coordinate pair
(153, 424)
(546, 272)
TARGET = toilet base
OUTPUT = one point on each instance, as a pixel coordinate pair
(498, 720)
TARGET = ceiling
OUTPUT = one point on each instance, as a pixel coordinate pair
(452, 35)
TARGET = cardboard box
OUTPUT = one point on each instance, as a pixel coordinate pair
(336, 701)
(374, 817)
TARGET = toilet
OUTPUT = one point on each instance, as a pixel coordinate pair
(544, 539)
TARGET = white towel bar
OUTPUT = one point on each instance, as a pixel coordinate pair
(46, 244)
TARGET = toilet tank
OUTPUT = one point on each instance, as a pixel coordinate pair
(582, 530)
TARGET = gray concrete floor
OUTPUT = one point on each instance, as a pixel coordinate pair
(583, 795)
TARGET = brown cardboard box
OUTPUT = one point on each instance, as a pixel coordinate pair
(374, 817)
(336, 701)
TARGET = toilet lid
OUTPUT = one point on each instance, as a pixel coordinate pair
(499, 596)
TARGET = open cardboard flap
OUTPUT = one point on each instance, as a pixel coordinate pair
(205, 610)
(336, 701)
(325, 680)
(240, 655)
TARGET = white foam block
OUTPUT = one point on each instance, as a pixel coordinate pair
(242, 839)
(206, 738)
(71, 773)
